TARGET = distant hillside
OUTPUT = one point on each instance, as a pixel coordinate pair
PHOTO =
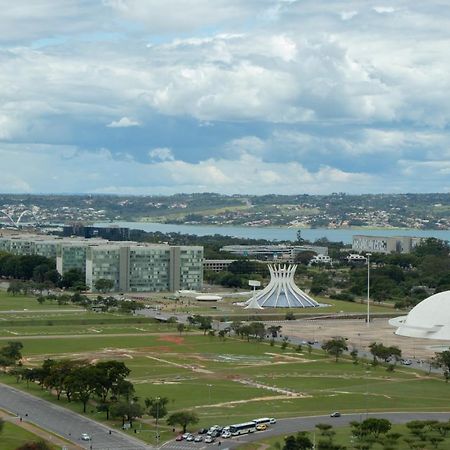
(421, 211)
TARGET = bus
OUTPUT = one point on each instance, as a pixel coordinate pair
(242, 428)
(264, 420)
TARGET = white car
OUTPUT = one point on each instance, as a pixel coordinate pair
(85, 437)
(209, 439)
(226, 434)
(272, 420)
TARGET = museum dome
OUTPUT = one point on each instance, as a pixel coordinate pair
(428, 319)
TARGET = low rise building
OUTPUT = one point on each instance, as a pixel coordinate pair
(217, 265)
(285, 253)
(384, 244)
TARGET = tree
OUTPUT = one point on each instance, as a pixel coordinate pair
(384, 353)
(274, 330)
(128, 411)
(304, 257)
(375, 427)
(258, 330)
(354, 356)
(326, 430)
(299, 442)
(104, 285)
(180, 327)
(183, 418)
(73, 277)
(2, 424)
(335, 347)
(11, 353)
(109, 376)
(59, 372)
(104, 407)
(14, 287)
(83, 383)
(156, 407)
(442, 360)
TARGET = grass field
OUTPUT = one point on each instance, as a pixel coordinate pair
(235, 380)
(22, 302)
(344, 437)
(13, 436)
(224, 381)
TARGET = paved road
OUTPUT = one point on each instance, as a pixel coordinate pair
(70, 425)
(39, 311)
(287, 426)
(64, 422)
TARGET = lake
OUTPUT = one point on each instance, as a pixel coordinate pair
(278, 233)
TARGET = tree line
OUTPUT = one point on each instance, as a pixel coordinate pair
(373, 433)
(104, 384)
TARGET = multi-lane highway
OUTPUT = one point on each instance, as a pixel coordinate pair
(65, 422)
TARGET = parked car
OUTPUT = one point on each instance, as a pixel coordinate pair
(272, 420)
(406, 362)
(185, 435)
(226, 434)
(190, 438)
(179, 437)
(198, 438)
(335, 414)
(203, 431)
(85, 437)
(261, 427)
(209, 439)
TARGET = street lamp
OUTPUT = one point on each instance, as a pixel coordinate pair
(368, 287)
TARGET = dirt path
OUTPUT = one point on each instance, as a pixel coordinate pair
(183, 366)
(49, 437)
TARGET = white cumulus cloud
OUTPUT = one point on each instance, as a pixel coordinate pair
(123, 122)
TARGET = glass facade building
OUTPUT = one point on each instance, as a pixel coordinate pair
(132, 267)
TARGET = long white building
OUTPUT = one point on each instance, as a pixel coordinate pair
(384, 244)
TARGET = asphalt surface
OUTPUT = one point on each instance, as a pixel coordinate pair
(64, 422)
(293, 425)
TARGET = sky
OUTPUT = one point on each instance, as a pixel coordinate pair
(143, 97)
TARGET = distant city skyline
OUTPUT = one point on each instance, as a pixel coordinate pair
(229, 96)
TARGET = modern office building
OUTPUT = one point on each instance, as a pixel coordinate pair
(142, 268)
(384, 244)
(130, 265)
(112, 233)
(216, 265)
(285, 253)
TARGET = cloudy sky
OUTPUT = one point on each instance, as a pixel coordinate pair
(229, 96)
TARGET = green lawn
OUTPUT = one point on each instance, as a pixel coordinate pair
(239, 379)
(13, 436)
(22, 302)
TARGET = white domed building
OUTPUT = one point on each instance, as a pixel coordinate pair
(429, 319)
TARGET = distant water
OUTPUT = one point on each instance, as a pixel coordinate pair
(278, 233)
